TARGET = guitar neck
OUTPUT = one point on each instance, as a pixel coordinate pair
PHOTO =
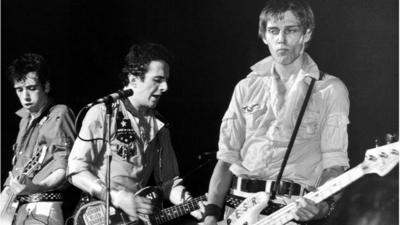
(284, 215)
(176, 211)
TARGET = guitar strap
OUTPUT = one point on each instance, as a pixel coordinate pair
(294, 133)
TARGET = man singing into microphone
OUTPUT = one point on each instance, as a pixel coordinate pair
(140, 141)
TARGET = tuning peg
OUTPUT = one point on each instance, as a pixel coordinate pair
(389, 138)
(371, 157)
(383, 155)
(376, 143)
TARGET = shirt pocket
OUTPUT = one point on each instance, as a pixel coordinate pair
(125, 153)
(253, 113)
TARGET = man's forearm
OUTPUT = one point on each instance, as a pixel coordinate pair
(54, 180)
(326, 175)
(88, 182)
(219, 183)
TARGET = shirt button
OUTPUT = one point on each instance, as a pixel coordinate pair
(20, 152)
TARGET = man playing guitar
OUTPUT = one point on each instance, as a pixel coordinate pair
(140, 141)
(258, 124)
(45, 137)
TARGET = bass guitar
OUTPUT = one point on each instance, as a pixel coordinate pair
(93, 213)
(380, 160)
(8, 203)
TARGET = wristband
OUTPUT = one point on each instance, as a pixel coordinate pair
(331, 203)
(212, 210)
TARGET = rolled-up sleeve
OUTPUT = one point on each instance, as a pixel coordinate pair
(334, 137)
(233, 129)
(84, 152)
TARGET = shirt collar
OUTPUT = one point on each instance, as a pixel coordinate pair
(265, 67)
(128, 106)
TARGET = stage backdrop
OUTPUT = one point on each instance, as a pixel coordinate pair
(214, 42)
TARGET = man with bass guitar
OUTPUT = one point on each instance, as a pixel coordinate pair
(260, 120)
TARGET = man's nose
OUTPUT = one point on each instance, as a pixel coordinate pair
(26, 95)
(281, 38)
(164, 86)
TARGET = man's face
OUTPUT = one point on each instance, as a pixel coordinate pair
(285, 38)
(30, 92)
(147, 92)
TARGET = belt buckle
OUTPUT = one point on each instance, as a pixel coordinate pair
(36, 197)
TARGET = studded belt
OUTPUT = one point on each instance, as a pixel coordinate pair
(40, 197)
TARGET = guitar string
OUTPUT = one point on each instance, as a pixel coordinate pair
(178, 210)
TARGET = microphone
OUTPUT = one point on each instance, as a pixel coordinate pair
(206, 154)
(112, 97)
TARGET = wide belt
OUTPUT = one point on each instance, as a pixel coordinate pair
(241, 186)
(40, 197)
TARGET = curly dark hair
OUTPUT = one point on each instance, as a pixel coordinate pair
(26, 63)
(274, 8)
(140, 56)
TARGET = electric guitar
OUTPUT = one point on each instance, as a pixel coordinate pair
(380, 160)
(93, 213)
(8, 203)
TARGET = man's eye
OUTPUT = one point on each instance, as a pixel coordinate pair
(18, 89)
(32, 88)
(158, 80)
(290, 31)
(273, 31)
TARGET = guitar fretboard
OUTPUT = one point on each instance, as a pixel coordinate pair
(173, 212)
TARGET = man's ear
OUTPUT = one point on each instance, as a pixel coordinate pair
(307, 36)
(264, 40)
(47, 87)
(132, 80)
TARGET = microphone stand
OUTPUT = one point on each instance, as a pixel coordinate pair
(108, 159)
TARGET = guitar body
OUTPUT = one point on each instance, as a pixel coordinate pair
(94, 213)
(249, 210)
(8, 207)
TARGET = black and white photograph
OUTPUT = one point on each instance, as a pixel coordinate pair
(210, 112)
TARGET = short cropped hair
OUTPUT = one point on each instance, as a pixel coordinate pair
(139, 58)
(274, 8)
(26, 63)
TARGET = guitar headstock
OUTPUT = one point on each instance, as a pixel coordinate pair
(381, 160)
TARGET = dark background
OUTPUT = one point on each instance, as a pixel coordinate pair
(214, 42)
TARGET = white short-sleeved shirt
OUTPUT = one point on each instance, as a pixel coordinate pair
(254, 141)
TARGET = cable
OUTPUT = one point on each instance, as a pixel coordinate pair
(85, 109)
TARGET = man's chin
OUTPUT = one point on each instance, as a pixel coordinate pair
(152, 105)
(31, 109)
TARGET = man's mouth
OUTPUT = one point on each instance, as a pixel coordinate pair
(282, 50)
(156, 96)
